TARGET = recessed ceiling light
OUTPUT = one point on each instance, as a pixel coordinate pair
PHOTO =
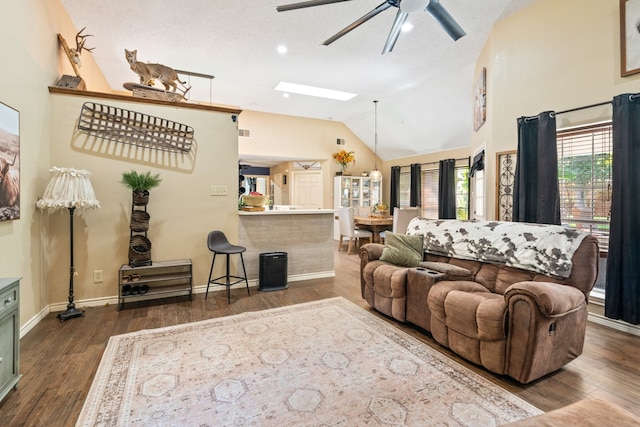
(282, 49)
(285, 95)
(314, 91)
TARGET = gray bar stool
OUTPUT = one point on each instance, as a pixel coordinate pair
(218, 244)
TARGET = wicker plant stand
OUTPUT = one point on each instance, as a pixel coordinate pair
(139, 244)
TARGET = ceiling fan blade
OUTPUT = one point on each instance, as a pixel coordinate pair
(445, 19)
(303, 4)
(401, 17)
(384, 6)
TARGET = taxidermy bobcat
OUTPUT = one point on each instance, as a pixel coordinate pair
(147, 72)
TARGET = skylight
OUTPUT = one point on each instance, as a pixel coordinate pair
(314, 91)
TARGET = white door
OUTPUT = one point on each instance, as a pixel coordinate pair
(307, 189)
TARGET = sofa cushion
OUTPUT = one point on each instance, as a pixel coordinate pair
(440, 291)
(477, 315)
(400, 249)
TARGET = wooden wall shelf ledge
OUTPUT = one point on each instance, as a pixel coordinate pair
(131, 98)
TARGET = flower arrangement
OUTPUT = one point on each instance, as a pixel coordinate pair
(344, 158)
(380, 209)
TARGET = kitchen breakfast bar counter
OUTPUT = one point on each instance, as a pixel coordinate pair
(306, 235)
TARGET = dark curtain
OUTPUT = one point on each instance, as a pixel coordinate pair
(447, 189)
(536, 197)
(394, 201)
(415, 198)
(622, 295)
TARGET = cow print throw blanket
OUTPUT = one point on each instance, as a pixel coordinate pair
(542, 248)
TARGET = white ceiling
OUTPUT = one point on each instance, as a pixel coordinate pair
(424, 86)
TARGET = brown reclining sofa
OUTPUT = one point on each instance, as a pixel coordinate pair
(511, 297)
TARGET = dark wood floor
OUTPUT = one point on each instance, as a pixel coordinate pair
(58, 360)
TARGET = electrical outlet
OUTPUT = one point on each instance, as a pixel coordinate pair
(218, 190)
(97, 276)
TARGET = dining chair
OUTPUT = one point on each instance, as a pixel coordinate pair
(401, 219)
(348, 229)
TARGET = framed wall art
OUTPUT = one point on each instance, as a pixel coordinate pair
(630, 37)
(505, 179)
(9, 163)
(480, 102)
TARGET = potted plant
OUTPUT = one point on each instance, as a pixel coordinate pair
(140, 184)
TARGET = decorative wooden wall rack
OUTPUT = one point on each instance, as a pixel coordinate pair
(130, 127)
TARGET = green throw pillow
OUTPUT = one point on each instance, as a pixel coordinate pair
(400, 249)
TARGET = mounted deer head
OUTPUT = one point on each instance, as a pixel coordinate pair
(80, 41)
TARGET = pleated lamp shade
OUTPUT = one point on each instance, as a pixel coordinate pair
(68, 188)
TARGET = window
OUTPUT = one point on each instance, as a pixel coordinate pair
(462, 192)
(429, 183)
(477, 185)
(405, 188)
(584, 176)
(478, 195)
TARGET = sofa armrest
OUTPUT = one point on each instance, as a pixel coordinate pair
(552, 299)
(370, 252)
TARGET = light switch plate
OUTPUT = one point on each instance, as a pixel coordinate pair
(218, 190)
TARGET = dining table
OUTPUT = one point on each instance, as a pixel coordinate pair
(374, 223)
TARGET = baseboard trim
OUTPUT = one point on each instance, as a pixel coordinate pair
(31, 323)
(200, 289)
(615, 324)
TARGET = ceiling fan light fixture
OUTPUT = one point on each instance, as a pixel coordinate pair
(413, 5)
(405, 7)
(406, 27)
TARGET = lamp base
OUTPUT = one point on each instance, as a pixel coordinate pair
(70, 313)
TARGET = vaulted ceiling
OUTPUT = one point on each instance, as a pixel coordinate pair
(424, 86)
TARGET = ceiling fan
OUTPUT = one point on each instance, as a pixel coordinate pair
(404, 8)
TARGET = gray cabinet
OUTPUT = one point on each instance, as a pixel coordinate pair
(9, 334)
(162, 279)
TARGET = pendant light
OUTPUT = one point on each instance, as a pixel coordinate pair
(375, 174)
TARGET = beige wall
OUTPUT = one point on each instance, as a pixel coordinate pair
(553, 55)
(30, 62)
(182, 210)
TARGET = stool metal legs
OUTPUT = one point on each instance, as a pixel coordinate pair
(227, 283)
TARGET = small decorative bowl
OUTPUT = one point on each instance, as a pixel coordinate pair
(254, 200)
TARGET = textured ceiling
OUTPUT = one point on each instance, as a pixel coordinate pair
(424, 86)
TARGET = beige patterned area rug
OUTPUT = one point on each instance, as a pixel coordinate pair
(324, 363)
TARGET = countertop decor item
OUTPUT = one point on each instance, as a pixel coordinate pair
(255, 200)
(69, 188)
